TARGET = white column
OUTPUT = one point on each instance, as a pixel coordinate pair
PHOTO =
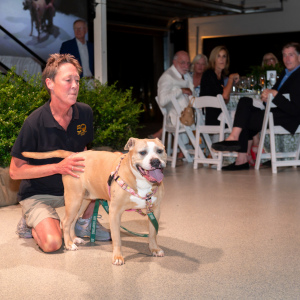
(100, 42)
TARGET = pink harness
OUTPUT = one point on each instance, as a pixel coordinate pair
(125, 187)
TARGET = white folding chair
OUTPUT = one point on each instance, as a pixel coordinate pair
(273, 155)
(173, 131)
(204, 131)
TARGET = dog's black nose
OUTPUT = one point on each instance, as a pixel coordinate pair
(155, 163)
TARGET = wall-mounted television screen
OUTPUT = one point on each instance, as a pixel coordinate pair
(55, 26)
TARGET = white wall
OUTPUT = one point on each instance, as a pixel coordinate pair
(287, 20)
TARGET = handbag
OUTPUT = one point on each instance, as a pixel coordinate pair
(187, 117)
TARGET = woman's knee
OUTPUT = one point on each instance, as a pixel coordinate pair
(52, 243)
(48, 235)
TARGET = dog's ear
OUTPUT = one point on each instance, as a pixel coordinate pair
(159, 141)
(130, 144)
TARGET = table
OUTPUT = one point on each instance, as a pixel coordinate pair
(283, 143)
(235, 97)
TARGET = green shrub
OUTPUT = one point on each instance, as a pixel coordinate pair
(116, 114)
(18, 99)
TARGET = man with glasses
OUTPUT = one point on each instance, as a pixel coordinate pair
(82, 50)
(177, 83)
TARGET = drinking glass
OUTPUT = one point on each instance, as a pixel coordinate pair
(262, 82)
(252, 83)
(243, 84)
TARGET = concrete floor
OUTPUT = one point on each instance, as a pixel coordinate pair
(226, 235)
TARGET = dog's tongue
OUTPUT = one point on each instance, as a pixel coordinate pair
(157, 174)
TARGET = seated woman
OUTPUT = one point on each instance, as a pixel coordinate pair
(198, 66)
(213, 81)
(269, 59)
(249, 119)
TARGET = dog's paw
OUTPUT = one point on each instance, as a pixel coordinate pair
(118, 260)
(78, 240)
(72, 247)
(158, 252)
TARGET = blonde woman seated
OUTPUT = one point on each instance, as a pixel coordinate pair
(198, 66)
(269, 59)
(213, 81)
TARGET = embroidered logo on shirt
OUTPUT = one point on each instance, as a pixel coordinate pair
(81, 129)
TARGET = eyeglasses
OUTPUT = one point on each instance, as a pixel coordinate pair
(183, 63)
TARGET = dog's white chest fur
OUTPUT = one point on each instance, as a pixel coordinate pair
(143, 188)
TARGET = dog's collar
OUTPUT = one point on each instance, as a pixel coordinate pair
(125, 187)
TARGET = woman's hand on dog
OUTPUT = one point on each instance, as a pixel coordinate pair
(71, 164)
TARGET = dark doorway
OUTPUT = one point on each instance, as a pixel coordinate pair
(136, 60)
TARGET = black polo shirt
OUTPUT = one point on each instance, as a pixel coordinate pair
(40, 133)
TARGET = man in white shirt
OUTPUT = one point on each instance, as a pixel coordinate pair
(80, 48)
(176, 82)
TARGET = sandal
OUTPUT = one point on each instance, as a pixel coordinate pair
(251, 161)
(254, 153)
(180, 156)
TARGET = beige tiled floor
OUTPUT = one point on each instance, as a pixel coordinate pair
(226, 235)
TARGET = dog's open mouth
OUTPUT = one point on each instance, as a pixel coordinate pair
(154, 175)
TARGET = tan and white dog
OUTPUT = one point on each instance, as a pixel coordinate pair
(141, 169)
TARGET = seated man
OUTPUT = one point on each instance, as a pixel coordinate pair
(52, 126)
(249, 119)
(176, 82)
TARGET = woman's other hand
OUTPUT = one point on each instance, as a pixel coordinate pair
(235, 77)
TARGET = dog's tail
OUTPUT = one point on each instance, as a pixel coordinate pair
(50, 154)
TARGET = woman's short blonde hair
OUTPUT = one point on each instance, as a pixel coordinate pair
(213, 57)
(196, 59)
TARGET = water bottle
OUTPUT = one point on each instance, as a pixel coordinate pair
(272, 79)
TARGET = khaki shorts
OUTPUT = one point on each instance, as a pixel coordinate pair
(39, 207)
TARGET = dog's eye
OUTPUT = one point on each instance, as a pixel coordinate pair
(143, 153)
(159, 151)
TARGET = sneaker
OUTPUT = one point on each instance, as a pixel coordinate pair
(83, 229)
(23, 230)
